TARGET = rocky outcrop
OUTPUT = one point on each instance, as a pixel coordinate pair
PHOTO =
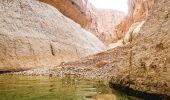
(101, 22)
(34, 34)
(138, 12)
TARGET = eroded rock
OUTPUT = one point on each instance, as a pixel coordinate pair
(34, 34)
(149, 67)
(101, 22)
(138, 12)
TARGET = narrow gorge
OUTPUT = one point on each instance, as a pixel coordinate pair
(72, 50)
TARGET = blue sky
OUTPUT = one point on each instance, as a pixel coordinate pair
(111, 4)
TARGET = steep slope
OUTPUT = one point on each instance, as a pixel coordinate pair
(101, 22)
(34, 34)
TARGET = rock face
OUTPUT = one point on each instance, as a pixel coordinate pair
(34, 34)
(138, 12)
(148, 67)
(129, 37)
(105, 23)
(81, 11)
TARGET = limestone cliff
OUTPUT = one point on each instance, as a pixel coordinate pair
(34, 34)
(101, 22)
(138, 12)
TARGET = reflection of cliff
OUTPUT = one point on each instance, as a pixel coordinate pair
(101, 22)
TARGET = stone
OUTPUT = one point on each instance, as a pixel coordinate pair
(34, 34)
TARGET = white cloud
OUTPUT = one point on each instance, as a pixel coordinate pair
(111, 4)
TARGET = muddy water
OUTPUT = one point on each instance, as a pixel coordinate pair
(49, 88)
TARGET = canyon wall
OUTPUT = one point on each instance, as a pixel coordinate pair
(105, 22)
(137, 12)
(101, 22)
(34, 34)
(143, 65)
(81, 11)
(148, 67)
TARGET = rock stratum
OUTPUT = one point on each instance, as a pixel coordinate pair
(101, 22)
(34, 34)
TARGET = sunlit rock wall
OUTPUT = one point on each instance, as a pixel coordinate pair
(138, 12)
(101, 22)
(34, 34)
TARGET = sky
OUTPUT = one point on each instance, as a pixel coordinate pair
(120, 5)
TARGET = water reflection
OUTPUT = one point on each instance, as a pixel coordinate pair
(49, 88)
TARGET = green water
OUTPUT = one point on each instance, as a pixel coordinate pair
(49, 88)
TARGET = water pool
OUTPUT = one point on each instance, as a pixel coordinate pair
(14, 87)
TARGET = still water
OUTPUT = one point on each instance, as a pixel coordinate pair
(49, 88)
